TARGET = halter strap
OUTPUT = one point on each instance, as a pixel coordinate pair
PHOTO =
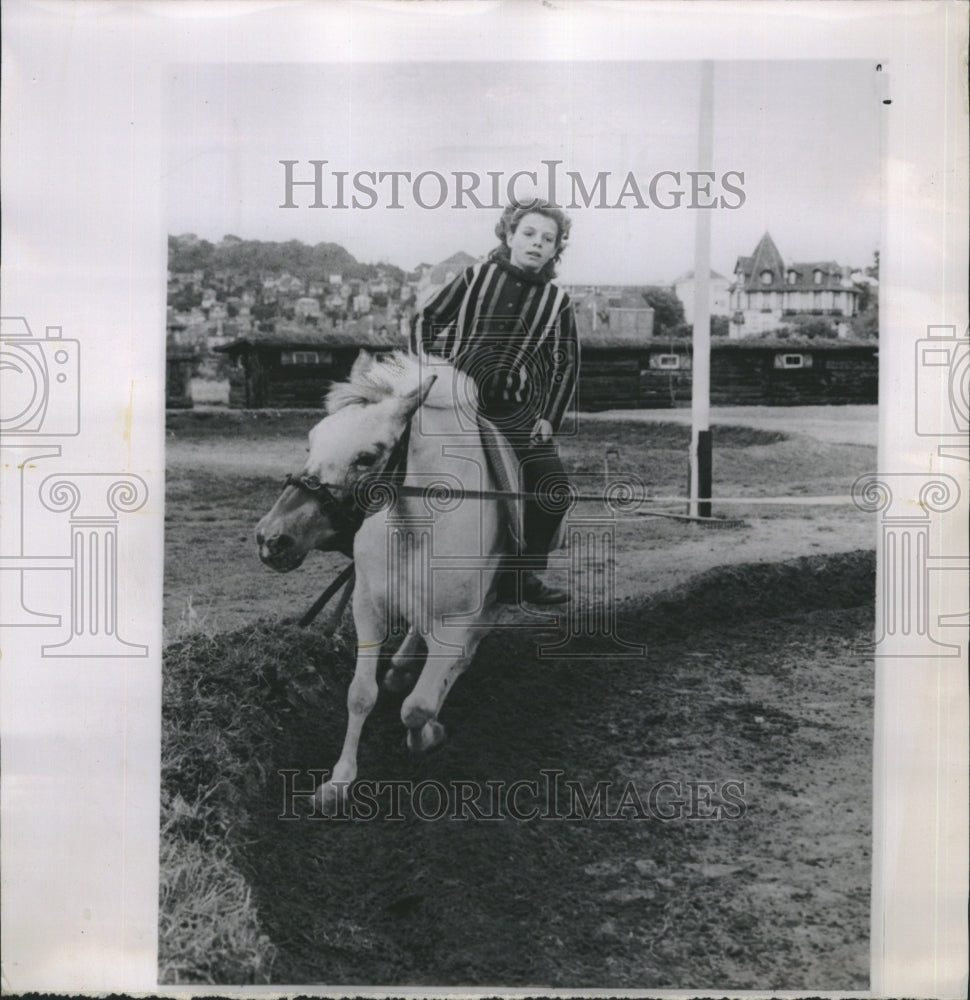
(347, 515)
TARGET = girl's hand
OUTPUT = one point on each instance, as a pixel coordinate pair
(542, 431)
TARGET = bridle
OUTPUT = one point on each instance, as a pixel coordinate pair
(347, 514)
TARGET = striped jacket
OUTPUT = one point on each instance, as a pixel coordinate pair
(513, 332)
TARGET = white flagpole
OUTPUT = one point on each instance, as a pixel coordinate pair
(700, 443)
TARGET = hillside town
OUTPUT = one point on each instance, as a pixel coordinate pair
(281, 321)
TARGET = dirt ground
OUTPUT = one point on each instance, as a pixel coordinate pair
(757, 672)
(221, 480)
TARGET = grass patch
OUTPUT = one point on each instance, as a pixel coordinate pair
(225, 705)
(208, 928)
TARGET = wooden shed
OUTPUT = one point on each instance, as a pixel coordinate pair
(620, 372)
(180, 365)
(622, 369)
(294, 365)
(773, 372)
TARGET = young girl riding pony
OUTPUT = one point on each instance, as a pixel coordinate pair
(507, 326)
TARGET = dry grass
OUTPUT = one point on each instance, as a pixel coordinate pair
(208, 928)
(225, 704)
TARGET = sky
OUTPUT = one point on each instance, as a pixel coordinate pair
(805, 135)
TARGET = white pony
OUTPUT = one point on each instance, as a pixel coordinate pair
(429, 559)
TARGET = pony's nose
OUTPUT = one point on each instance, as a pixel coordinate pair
(276, 545)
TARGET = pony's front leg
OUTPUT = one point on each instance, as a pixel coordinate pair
(361, 697)
(444, 665)
(405, 663)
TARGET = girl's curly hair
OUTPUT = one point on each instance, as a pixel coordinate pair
(513, 214)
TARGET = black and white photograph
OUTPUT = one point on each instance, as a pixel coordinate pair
(661, 712)
(531, 553)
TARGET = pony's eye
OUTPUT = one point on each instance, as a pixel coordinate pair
(365, 461)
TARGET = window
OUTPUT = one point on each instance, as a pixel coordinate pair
(791, 277)
(788, 361)
(666, 362)
(766, 277)
(306, 358)
(817, 276)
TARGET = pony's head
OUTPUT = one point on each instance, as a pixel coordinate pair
(366, 415)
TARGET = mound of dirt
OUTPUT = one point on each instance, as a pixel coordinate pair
(753, 591)
(754, 676)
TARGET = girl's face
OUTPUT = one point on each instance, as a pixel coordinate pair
(533, 243)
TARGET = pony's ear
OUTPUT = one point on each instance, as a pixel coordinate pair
(416, 397)
(362, 363)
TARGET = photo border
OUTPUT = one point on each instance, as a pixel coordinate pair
(83, 111)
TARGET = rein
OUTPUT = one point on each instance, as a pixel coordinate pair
(347, 515)
(393, 478)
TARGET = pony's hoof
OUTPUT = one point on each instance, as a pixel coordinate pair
(397, 680)
(329, 797)
(426, 737)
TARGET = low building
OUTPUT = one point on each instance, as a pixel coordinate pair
(617, 310)
(618, 372)
(294, 365)
(180, 364)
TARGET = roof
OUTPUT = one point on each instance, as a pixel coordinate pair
(607, 339)
(349, 335)
(793, 343)
(767, 258)
(628, 299)
(611, 340)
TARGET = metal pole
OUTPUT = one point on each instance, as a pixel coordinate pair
(700, 443)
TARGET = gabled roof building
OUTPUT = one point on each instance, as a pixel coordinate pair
(768, 293)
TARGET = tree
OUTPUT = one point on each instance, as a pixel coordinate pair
(668, 310)
(873, 270)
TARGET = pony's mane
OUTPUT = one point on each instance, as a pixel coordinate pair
(390, 376)
(394, 375)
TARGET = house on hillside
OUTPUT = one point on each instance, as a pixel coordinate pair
(683, 288)
(294, 364)
(767, 293)
(433, 278)
(308, 309)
